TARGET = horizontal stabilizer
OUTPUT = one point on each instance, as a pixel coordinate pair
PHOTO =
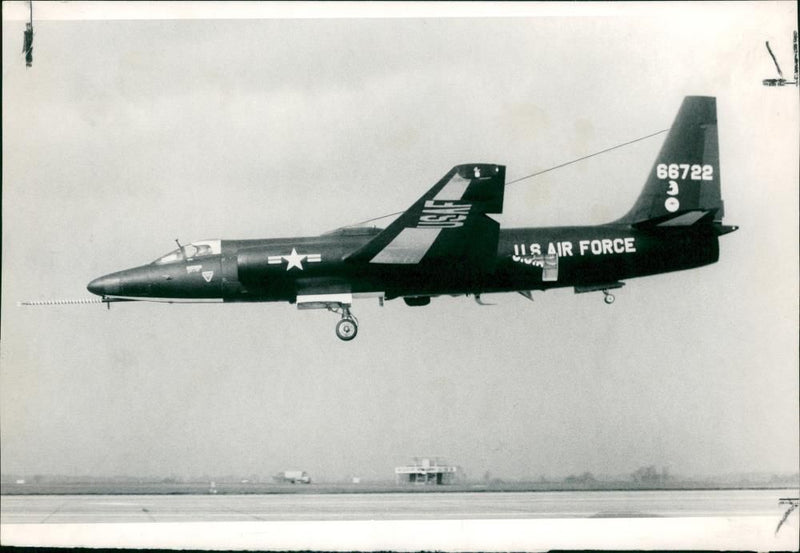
(725, 229)
(680, 219)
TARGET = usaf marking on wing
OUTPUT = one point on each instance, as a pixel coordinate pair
(443, 215)
(446, 244)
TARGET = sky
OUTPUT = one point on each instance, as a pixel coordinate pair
(135, 126)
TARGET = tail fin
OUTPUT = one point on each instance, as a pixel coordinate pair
(684, 184)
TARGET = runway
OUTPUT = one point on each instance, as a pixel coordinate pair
(388, 506)
(725, 519)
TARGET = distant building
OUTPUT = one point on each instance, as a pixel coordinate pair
(426, 470)
(292, 477)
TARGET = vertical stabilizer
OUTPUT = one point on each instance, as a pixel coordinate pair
(684, 183)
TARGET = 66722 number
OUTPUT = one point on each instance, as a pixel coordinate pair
(684, 170)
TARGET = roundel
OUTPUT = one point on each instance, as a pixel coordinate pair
(672, 204)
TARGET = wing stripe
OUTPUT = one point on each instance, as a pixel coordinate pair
(454, 189)
(408, 247)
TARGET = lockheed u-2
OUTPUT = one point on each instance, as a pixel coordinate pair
(446, 243)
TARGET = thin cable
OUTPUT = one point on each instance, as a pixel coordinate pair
(587, 157)
(529, 176)
(61, 302)
(369, 220)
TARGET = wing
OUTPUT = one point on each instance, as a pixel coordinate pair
(446, 225)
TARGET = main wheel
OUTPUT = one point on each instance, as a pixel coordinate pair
(346, 329)
(609, 299)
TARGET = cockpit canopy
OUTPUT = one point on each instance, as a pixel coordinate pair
(201, 248)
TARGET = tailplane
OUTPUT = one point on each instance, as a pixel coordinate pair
(683, 187)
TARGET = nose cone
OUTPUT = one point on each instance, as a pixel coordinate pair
(108, 285)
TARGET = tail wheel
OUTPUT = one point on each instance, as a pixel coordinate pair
(609, 299)
(346, 329)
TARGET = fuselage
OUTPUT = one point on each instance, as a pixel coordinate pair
(447, 243)
(526, 259)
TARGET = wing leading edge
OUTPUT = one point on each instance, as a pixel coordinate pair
(448, 223)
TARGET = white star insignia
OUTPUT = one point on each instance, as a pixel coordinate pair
(294, 259)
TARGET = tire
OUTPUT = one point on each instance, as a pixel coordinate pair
(609, 299)
(346, 329)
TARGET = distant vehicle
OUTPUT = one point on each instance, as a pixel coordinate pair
(292, 477)
(446, 244)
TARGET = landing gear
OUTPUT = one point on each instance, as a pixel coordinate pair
(601, 287)
(347, 327)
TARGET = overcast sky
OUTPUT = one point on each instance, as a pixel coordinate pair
(128, 133)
